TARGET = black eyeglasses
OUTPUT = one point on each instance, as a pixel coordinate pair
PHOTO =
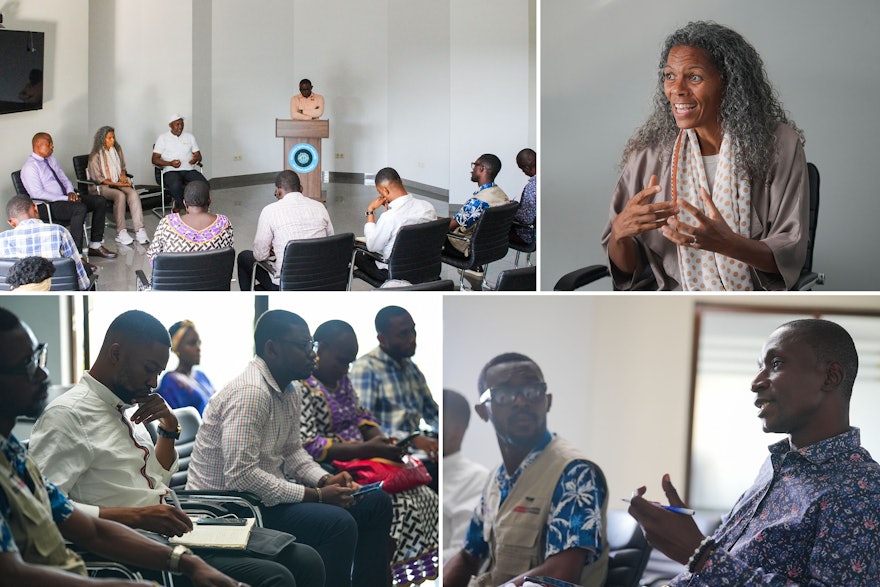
(305, 346)
(504, 395)
(30, 367)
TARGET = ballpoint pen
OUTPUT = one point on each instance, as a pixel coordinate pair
(671, 508)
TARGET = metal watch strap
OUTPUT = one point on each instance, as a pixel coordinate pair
(174, 558)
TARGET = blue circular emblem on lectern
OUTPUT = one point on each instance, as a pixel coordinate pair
(303, 158)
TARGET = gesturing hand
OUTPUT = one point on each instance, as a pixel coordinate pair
(675, 535)
(711, 232)
(638, 216)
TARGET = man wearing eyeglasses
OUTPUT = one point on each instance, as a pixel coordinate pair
(545, 487)
(483, 172)
(35, 515)
(250, 441)
(92, 442)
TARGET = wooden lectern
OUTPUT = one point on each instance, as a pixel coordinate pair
(309, 132)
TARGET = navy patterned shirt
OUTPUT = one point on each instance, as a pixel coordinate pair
(61, 507)
(810, 519)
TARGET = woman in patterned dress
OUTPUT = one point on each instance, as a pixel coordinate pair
(199, 230)
(186, 386)
(335, 426)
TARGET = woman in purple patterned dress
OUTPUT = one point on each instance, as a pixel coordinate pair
(335, 426)
(199, 230)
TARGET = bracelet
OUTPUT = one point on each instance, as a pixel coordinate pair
(174, 558)
(707, 544)
(320, 497)
(323, 480)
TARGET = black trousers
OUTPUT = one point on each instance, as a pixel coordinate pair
(75, 213)
(368, 266)
(175, 181)
(246, 264)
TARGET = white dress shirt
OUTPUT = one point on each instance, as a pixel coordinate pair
(401, 212)
(293, 217)
(86, 443)
(171, 147)
(463, 483)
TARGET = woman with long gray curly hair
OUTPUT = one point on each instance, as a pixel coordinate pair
(714, 192)
(107, 169)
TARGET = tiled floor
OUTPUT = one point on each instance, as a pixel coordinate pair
(345, 202)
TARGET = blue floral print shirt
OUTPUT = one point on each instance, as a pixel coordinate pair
(810, 519)
(575, 518)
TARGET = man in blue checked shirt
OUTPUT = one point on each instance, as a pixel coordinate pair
(811, 517)
(31, 237)
(544, 487)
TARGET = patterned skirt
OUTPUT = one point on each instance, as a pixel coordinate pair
(414, 530)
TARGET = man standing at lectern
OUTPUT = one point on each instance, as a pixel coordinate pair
(307, 105)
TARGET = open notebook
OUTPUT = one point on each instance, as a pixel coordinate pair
(235, 537)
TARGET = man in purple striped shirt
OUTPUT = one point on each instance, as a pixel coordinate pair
(44, 180)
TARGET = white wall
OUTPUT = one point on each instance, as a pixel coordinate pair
(65, 99)
(599, 62)
(619, 369)
(489, 90)
(141, 59)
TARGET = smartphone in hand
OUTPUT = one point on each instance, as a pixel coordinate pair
(368, 488)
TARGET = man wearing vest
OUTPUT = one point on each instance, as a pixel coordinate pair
(36, 517)
(542, 512)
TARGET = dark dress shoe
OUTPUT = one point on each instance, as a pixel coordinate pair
(102, 252)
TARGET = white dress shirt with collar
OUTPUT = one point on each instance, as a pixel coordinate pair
(401, 212)
(86, 443)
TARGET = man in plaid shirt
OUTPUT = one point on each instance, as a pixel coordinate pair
(31, 237)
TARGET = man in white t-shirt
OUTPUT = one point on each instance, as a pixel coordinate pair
(177, 153)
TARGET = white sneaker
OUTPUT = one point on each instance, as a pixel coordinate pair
(123, 238)
(141, 236)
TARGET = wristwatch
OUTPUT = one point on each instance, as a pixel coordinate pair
(368, 213)
(174, 558)
(165, 434)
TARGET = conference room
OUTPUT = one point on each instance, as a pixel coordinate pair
(398, 80)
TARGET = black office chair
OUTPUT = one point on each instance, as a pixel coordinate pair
(314, 264)
(628, 550)
(415, 256)
(521, 247)
(489, 241)
(65, 278)
(159, 174)
(807, 280)
(20, 190)
(199, 271)
(518, 279)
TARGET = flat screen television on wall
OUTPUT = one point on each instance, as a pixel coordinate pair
(21, 71)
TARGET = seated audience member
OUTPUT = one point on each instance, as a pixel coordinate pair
(402, 209)
(44, 180)
(543, 511)
(31, 274)
(392, 387)
(36, 517)
(177, 153)
(31, 237)
(527, 213)
(198, 230)
(809, 518)
(186, 385)
(292, 217)
(250, 441)
(336, 427)
(483, 172)
(107, 168)
(93, 442)
(463, 479)
(307, 105)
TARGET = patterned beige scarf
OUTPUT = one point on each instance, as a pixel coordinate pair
(111, 164)
(701, 269)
